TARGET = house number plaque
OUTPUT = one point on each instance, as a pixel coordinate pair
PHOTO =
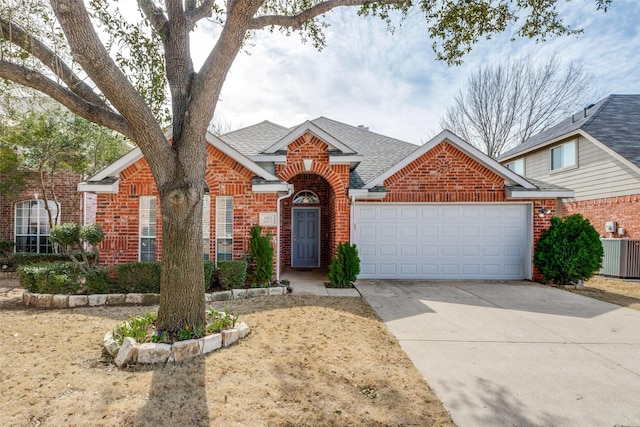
(268, 219)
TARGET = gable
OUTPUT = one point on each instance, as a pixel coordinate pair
(445, 173)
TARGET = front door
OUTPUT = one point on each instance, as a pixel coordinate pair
(305, 242)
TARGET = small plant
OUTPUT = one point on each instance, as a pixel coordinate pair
(262, 254)
(72, 236)
(218, 321)
(184, 333)
(159, 336)
(345, 266)
(137, 328)
(569, 251)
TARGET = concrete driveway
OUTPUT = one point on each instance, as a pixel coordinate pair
(516, 353)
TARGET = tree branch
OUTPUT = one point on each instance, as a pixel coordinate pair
(94, 59)
(77, 105)
(51, 60)
(296, 21)
(155, 15)
(205, 10)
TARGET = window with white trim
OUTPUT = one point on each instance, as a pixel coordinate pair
(517, 166)
(224, 228)
(563, 156)
(206, 225)
(32, 226)
(147, 228)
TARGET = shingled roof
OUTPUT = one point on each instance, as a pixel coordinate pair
(379, 152)
(614, 121)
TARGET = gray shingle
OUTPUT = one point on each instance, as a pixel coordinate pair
(614, 121)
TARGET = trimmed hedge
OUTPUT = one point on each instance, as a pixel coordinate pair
(209, 273)
(29, 258)
(140, 277)
(50, 278)
(233, 274)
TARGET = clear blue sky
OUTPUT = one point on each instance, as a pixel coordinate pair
(392, 83)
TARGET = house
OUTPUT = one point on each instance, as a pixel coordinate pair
(442, 210)
(24, 219)
(596, 153)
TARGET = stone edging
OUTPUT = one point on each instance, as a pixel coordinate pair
(72, 301)
(130, 352)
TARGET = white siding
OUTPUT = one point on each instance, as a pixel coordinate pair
(597, 175)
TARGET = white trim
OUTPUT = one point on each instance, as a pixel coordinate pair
(269, 188)
(136, 154)
(264, 158)
(99, 188)
(312, 128)
(364, 194)
(341, 160)
(528, 194)
(447, 136)
(299, 207)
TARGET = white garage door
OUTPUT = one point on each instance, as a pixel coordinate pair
(443, 241)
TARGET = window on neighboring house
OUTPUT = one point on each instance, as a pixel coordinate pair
(147, 228)
(32, 226)
(224, 228)
(517, 166)
(206, 225)
(563, 156)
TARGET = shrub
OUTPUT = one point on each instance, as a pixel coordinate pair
(262, 253)
(6, 247)
(209, 272)
(72, 235)
(28, 258)
(233, 274)
(345, 266)
(569, 251)
(50, 278)
(140, 277)
(97, 282)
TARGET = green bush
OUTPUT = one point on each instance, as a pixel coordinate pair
(262, 253)
(50, 278)
(97, 282)
(209, 272)
(140, 277)
(28, 258)
(569, 251)
(233, 274)
(6, 247)
(345, 266)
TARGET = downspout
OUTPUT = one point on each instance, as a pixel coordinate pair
(352, 224)
(280, 198)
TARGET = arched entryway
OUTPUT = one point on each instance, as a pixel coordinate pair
(307, 223)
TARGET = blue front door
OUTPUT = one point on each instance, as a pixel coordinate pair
(305, 245)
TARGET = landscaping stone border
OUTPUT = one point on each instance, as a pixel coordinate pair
(72, 301)
(130, 352)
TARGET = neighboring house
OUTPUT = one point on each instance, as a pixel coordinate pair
(442, 210)
(24, 219)
(596, 153)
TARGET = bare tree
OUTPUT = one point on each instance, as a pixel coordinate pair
(120, 83)
(504, 104)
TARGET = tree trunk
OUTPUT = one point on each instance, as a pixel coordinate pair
(182, 277)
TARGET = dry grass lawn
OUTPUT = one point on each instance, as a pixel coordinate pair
(309, 361)
(615, 291)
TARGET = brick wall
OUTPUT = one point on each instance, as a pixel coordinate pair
(70, 200)
(625, 210)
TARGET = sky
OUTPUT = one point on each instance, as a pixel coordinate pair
(392, 83)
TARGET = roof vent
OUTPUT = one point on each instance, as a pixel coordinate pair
(363, 127)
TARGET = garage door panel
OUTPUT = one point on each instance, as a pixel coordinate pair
(480, 241)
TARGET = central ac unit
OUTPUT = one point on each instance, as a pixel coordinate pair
(621, 258)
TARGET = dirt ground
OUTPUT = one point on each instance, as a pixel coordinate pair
(309, 361)
(615, 291)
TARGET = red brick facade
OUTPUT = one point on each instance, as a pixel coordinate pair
(71, 202)
(442, 174)
(624, 210)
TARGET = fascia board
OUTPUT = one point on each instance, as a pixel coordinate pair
(315, 130)
(112, 188)
(447, 136)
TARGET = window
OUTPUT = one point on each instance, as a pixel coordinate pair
(306, 198)
(517, 166)
(147, 228)
(32, 226)
(224, 228)
(563, 156)
(206, 225)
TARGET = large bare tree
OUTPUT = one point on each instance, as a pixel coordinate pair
(118, 81)
(504, 104)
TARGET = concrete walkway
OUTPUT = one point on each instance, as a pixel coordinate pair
(517, 354)
(312, 283)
